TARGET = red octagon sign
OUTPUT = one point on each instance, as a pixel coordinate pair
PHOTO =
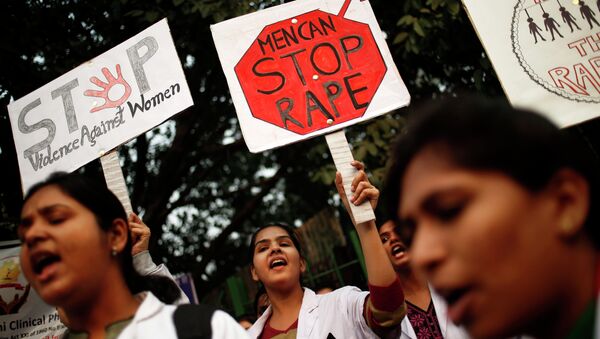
(311, 71)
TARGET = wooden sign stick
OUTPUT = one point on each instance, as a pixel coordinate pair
(114, 178)
(342, 157)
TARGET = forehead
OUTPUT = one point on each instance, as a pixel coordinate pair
(429, 171)
(271, 232)
(47, 196)
(387, 227)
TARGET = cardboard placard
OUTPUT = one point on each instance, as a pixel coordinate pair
(545, 52)
(307, 68)
(99, 105)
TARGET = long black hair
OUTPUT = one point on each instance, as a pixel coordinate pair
(106, 207)
(487, 134)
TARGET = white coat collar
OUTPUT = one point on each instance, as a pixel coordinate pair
(148, 308)
(441, 310)
(306, 319)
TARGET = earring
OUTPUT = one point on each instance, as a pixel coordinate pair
(113, 252)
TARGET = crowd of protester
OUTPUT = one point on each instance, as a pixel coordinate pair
(491, 233)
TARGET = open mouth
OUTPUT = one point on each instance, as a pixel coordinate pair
(459, 301)
(278, 263)
(41, 261)
(398, 249)
(452, 296)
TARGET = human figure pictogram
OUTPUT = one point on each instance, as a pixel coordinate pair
(588, 14)
(534, 29)
(567, 17)
(550, 24)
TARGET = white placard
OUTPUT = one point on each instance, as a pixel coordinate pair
(99, 105)
(545, 52)
(331, 35)
(23, 314)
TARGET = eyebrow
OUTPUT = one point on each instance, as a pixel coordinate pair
(46, 210)
(268, 240)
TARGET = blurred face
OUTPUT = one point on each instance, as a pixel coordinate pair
(276, 262)
(394, 247)
(64, 252)
(483, 241)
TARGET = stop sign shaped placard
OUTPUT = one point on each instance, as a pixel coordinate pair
(311, 71)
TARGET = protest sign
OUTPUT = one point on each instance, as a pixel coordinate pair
(307, 68)
(546, 54)
(22, 313)
(99, 105)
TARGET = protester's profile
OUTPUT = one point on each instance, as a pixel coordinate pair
(426, 311)
(278, 263)
(76, 253)
(501, 208)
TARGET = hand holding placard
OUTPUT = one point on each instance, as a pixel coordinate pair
(342, 157)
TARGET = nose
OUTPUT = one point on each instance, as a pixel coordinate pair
(275, 248)
(34, 234)
(428, 249)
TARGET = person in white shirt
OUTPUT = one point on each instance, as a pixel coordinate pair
(297, 312)
(76, 253)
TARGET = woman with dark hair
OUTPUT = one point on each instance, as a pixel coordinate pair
(76, 254)
(297, 312)
(426, 311)
(501, 207)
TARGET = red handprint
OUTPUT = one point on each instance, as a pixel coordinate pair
(106, 86)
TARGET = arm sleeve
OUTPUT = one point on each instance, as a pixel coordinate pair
(143, 264)
(385, 306)
(350, 302)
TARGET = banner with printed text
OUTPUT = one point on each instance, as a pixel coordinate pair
(22, 313)
(545, 52)
(307, 68)
(99, 105)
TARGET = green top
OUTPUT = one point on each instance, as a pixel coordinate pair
(112, 331)
(584, 327)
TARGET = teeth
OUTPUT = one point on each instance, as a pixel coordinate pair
(277, 262)
(397, 249)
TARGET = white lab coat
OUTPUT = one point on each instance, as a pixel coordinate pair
(153, 319)
(339, 313)
(449, 329)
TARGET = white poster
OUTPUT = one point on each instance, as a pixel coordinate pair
(545, 52)
(307, 68)
(22, 313)
(99, 105)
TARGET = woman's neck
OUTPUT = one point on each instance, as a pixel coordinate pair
(415, 288)
(285, 306)
(578, 291)
(111, 303)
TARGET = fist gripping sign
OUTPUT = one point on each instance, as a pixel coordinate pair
(307, 68)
